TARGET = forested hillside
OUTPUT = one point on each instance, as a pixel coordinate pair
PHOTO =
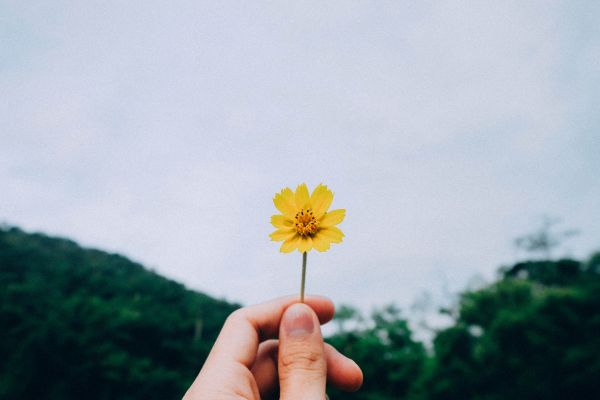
(79, 323)
(533, 334)
(83, 324)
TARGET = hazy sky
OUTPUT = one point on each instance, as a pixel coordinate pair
(162, 130)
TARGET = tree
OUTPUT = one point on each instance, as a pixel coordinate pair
(81, 323)
(544, 240)
(389, 357)
(531, 335)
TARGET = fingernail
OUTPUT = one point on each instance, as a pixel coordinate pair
(298, 320)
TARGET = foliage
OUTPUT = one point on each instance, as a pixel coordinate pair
(390, 359)
(80, 323)
(83, 323)
(532, 335)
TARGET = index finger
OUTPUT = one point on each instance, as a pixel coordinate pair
(245, 328)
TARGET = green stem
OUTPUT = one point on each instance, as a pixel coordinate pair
(303, 277)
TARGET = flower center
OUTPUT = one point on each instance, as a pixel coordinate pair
(306, 223)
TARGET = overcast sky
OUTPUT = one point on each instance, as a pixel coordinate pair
(162, 130)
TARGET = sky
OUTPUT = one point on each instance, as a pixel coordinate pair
(162, 130)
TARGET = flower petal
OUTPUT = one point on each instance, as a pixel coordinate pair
(281, 221)
(284, 202)
(333, 233)
(305, 244)
(320, 200)
(321, 243)
(332, 218)
(289, 245)
(301, 196)
(282, 234)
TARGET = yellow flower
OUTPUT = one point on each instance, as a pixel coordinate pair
(304, 222)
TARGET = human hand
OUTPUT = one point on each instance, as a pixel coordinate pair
(247, 362)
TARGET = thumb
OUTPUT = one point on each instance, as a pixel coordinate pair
(302, 367)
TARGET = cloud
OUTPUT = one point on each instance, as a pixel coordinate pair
(162, 131)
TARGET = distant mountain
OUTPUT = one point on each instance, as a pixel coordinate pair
(82, 323)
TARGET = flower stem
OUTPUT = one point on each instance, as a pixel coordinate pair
(303, 277)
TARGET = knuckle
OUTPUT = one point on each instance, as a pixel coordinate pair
(301, 359)
(235, 316)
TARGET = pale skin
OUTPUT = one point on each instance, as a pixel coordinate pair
(275, 350)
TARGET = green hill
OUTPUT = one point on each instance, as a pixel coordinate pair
(82, 323)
